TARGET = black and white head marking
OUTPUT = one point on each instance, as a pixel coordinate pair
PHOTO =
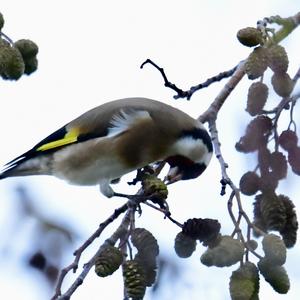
(192, 152)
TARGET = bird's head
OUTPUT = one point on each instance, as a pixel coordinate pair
(191, 154)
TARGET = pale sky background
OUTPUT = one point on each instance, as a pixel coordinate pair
(90, 53)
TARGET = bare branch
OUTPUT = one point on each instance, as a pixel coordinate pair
(189, 93)
(212, 111)
(87, 267)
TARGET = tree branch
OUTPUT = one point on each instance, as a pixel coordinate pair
(74, 265)
(189, 93)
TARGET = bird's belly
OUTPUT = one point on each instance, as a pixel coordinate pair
(81, 168)
(92, 174)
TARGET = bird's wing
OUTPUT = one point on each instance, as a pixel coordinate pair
(96, 123)
(60, 138)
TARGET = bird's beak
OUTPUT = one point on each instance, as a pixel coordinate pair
(173, 175)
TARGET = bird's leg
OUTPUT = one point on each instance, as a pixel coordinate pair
(106, 189)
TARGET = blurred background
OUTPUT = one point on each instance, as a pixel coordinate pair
(90, 52)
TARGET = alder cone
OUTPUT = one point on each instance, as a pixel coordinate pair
(269, 182)
(27, 48)
(288, 140)
(272, 210)
(203, 229)
(227, 253)
(134, 279)
(31, 65)
(184, 245)
(259, 125)
(294, 160)
(108, 261)
(256, 134)
(278, 60)
(244, 282)
(257, 63)
(278, 164)
(1, 21)
(289, 232)
(257, 98)
(274, 248)
(249, 183)
(258, 220)
(282, 84)
(249, 36)
(275, 275)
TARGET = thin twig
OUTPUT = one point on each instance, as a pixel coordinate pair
(166, 212)
(6, 37)
(74, 265)
(188, 93)
(87, 267)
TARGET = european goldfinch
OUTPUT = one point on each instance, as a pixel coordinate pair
(116, 138)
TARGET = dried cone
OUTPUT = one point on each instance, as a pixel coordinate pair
(257, 98)
(282, 84)
(149, 267)
(289, 232)
(275, 249)
(244, 282)
(268, 183)
(31, 65)
(258, 219)
(134, 280)
(249, 183)
(249, 36)
(294, 159)
(227, 253)
(252, 244)
(4, 47)
(148, 250)
(27, 48)
(184, 245)
(1, 21)
(203, 229)
(288, 140)
(278, 164)
(144, 241)
(108, 261)
(155, 187)
(11, 62)
(278, 60)
(275, 275)
(257, 63)
(263, 158)
(256, 134)
(272, 211)
(15, 67)
(260, 124)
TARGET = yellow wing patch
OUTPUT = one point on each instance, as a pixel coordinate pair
(70, 137)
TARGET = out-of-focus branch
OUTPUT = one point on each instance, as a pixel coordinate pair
(74, 265)
(87, 267)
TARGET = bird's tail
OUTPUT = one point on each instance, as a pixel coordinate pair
(26, 166)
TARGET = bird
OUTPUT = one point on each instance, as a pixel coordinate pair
(116, 138)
